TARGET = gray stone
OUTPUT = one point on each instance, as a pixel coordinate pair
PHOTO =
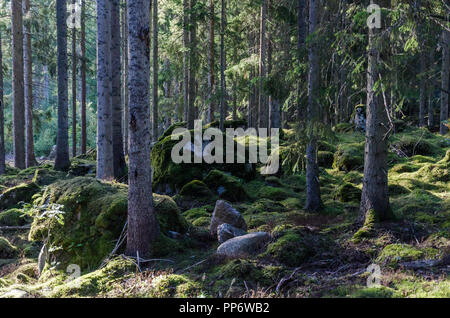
(52, 155)
(225, 213)
(226, 232)
(243, 246)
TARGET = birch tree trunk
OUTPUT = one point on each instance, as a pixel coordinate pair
(143, 227)
(105, 166)
(18, 84)
(313, 200)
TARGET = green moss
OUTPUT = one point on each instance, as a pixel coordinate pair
(193, 214)
(296, 182)
(265, 205)
(404, 167)
(247, 270)
(7, 250)
(349, 157)
(272, 193)
(348, 193)
(394, 254)
(196, 188)
(202, 221)
(226, 186)
(177, 286)
(274, 181)
(374, 292)
(292, 203)
(396, 189)
(322, 145)
(325, 159)
(344, 127)
(435, 173)
(14, 217)
(417, 200)
(411, 146)
(21, 193)
(367, 230)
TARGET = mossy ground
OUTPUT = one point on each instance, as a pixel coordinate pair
(325, 253)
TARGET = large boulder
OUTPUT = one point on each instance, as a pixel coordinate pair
(226, 232)
(225, 213)
(226, 186)
(21, 193)
(243, 246)
(7, 250)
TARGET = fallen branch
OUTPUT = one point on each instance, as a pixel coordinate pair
(15, 228)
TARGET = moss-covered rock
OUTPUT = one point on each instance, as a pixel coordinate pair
(272, 193)
(173, 285)
(265, 205)
(196, 189)
(196, 213)
(7, 250)
(394, 254)
(348, 193)
(244, 269)
(93, 218)
(226, 186)
(411, 146)
(349, 157)
(21, 193)
(14, 217)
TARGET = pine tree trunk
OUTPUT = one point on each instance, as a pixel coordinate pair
(74, 89)
(192, 65)
(375, 198)
(30, 159)
(313, 200)
(422, 82)
(262, 104)
(155, 133)
(223, 66)
(302, 29)
(18, 84)
(125, 78)
(83, 78)
(445, 81)
(186, 69)
(430, 93)
(211, 62)
(116, 67)
(2, 120)
(143, 227)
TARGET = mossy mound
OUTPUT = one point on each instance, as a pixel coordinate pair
(196, 213)
(349, 157)
(93, 218)
(348, 193)
(226, 186)
(396, 189)
(272, 193)
(196, 188)
(367, 230)
(265, 205)
(21, 193)
(404, 167)
(412, 146)
(435, 173)
(177, 286)
(247, 270)
(7, 250)
(325, 159)
(14, 217)
(81, 167)
(323, 145)
(394, 254)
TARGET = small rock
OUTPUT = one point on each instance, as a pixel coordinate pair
(225, 213)
(243, 246)
(226, 232)
(174, 235)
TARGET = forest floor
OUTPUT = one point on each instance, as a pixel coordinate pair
(309, 255)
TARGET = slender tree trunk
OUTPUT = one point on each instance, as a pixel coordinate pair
(186, 71)
(302, 29)
(155, 71)
(274, 103)
(118, 156)
(422, 85)
(313, 200)
(430, 92)
(125, 79)
(74, 89)
(192, 65)
(143, 227)
(445, 81)
(375, 198)
(83, 78)
(262, 105)
(211, 60)
(223, 66)
(30, 159)
(105, 166)
(2, 120)
(18, 84)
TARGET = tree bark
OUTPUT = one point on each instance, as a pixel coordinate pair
(105, 166)
(74, 89)
(18, 84)
(143, 227)
(83, 78)
(2, 120)
(30, 159)
(117, 137)
(302, 29)
(211, 61)
(192, 65)
(422, 82)
(125, 79)
(155, 133)
(223, 66)
(445, 81)
(430, 92)
(375, 198)
(262, 104)
(186, 71)
(313, 200)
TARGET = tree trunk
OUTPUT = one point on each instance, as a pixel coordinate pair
(125, 79)
(422, 85)
(430, 93)
(302, 29)
(192, 65)
(74, 89)
(18, 84)
(375, 198)
(117, 137)
(143, 227)
(2, 120)
(445, 81)
(274, 103)
(62, 161)
(211, 60)
(155, 71)
(105, 166)
(313, 200)
(223, 66)
(186, 71)
(30, 159)
(262, 105)
(83, 78)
